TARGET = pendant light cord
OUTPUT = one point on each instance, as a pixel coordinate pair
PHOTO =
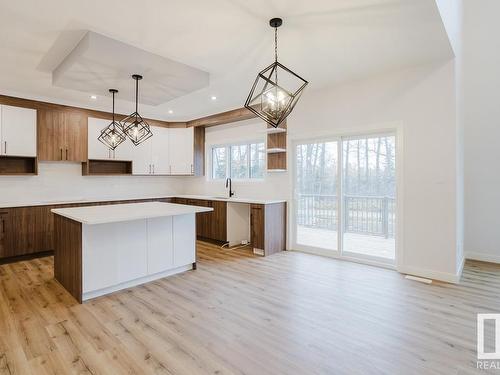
(276, 54)
(275, 44)
(136, 94)
(113, 106)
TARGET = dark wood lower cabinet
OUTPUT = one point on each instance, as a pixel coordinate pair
(30, 230)
(209, 225)
(268, 228)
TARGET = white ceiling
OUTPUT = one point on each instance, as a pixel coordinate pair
(326, 41)
(99, 63)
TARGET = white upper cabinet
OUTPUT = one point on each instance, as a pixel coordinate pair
(97, 150)
(124, 151)
(181, 151)
(141, 158)
(17, 131)
(160, 155)
(169, 151)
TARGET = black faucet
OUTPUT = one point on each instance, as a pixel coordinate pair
(229, 183)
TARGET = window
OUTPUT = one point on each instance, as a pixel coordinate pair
(238, 161)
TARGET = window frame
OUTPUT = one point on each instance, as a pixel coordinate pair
(228, 147)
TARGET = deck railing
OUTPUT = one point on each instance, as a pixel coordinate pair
(362, 214)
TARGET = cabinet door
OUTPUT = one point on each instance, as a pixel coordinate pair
(257, 226)
(181, 151)
(18, 131)
(141, 160)
(50, 135)
(23, 231)
(5, 234)
(160, 154)
(75, 136)
(125, 151)
(96, 149)
(219, 221)
(184, 240)
(160, 245)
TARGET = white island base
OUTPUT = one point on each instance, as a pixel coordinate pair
(103, 249)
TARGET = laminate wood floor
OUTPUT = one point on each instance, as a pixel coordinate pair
(290, 313)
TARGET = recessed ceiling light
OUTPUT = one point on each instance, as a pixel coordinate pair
(93, 97)
(213, 97)
(170, 111)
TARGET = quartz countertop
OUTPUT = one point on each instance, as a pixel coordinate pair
(113, 213)
(55, 202)
(232, 199)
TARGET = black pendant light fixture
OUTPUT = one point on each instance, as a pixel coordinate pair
(112, 135)
(134, 126)
(269, 99)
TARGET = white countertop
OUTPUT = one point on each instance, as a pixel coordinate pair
(232, 199)
(56, 202)
(112, 213)
(204, 197)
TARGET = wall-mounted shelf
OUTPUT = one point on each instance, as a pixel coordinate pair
(275, 150)
(273, 130)
(93, 167)
(18, 165)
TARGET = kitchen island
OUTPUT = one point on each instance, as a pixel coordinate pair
(102, 249)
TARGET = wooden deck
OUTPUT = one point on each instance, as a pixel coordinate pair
(375, 246)
(289, 313)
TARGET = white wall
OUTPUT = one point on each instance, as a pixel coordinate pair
(481, 60)
(64, 182)
(420, 102)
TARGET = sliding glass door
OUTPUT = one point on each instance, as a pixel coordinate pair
(316, 188)
(345, 197)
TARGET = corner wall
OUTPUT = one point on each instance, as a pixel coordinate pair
(481, 82)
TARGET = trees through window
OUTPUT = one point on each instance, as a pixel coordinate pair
(238, 161)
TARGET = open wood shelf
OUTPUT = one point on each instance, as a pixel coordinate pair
(273, 130)
(18, 165)
(276, 148)
(93, 167)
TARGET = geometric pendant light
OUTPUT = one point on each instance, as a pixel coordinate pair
(134, 126)
(112, 135)
(270, 99)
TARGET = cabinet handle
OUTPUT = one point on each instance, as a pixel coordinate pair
(5, 148)
(153, 169)
(61, 153)
(149, 168)
(66, 154)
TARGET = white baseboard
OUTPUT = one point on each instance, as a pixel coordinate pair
(482, 257)
(430, 274)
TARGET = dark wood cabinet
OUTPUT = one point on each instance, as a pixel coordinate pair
(268, 228)
(218, 221)
(209, 225)
(5, 231)
(257, 226)
(62, 135)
